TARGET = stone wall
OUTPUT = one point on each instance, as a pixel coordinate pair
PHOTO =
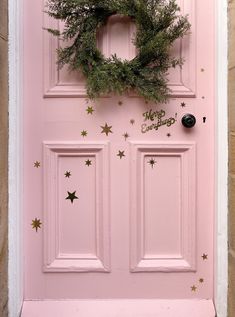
(3, 158)
(231, 96)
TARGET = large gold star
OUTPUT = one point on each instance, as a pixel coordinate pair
(205, 256)
(88, 162)
(67, 174)
(121, 154)
(36, 223)
(106, 129)
(84, 133)
(90, 110)
(71, 196)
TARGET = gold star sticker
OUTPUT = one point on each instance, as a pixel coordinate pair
(71, 196)
(106, 129)
(126, 136)
(84, 133)
(152, 162)
(193, 288)
(201, 280)
(36, 223)
(183, 104)
(121, 154)
(37, 164)
(132, 121)
(88, 162)
(205, 256)
(67, 174)
(90, 110)
(120, 103)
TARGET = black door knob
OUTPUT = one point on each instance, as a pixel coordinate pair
(188, 120)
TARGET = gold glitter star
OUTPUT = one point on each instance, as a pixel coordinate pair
(193, 288)
(121, 154)
(106, 129)
(205, 256)
(126, 136)
(120, 103)
(90, 110)
(37, 164)
(88, 162)
(201, 280)
(71, 196)
(36, 223)
(132, 121)
(183, 104)
(84, 133)
(152, 162)
(67, 174)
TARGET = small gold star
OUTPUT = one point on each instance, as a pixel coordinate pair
(90, 110)
(120, 103)
(106, 129)
(88, 162)
(183, 104)
(37, 164)
(71, 196)
(205, 256)
(193, 288)
(36, 223)
(121, 154)
(67, 174)
(132, 121)
(168, 134)
(203, 97)
(152, 162)
(126, 136)
(201, 280)
(84, 133)
(202, 70)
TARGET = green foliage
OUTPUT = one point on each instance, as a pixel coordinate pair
(158, 23)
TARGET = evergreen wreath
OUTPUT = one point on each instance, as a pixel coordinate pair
(158, 24)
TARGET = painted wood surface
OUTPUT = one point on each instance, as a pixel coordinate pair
(123, 194)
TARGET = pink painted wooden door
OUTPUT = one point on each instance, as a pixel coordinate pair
(118, 195)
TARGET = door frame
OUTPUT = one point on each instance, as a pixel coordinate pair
(15, 261)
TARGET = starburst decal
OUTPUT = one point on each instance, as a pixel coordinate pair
(183, 104)
(126, 136)
(84, 133)
(36, 224)
(67, 174)
(90, 110)
(201, 280)
(121, 154)
(106, 129)
(88, 162)
(132, 121)
(205, 256)
(152, 162)
(193, 288)
(37, 164)
(71, 196)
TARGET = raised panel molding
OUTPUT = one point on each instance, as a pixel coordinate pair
(184, 257)
(97, 257)
(182, 82)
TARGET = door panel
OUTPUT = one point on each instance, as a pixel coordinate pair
(126, 213)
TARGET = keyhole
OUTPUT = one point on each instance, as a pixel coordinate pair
(204, 119)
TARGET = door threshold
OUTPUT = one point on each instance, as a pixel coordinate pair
(120, 308)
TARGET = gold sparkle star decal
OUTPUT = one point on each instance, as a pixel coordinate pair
(132, 121)
(67, 174)
(88, 162)
(84, 133)
(205, 256)
(193, 288)
(126, 136)
(90, 110)
(37, 164)
(152, 162)
(120, 103)
(201, 280)
(121, 154)
(36, 223)
(106, 129)
(183, 104)
(71, 196)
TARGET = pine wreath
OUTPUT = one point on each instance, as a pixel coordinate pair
(158, 24)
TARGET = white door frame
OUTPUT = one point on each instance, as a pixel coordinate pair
(15, 177)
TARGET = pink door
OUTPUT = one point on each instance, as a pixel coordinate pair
(118, 194)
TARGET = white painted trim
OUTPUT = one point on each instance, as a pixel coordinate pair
(15, 267)
(221, 278)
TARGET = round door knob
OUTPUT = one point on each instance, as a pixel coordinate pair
(188, 120)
